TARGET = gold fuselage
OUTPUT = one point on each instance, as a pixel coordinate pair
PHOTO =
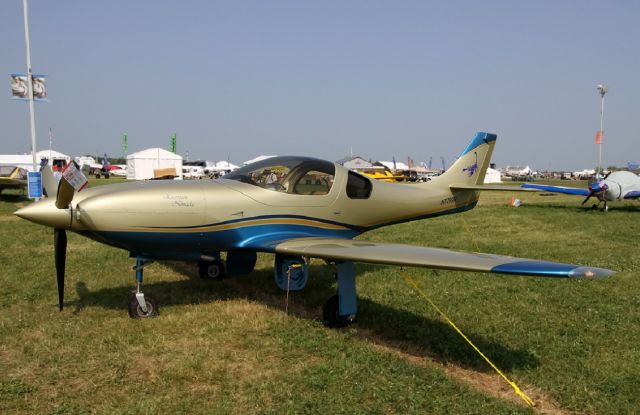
(212, 215)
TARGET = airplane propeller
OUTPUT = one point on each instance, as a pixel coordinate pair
(60, 248)
(596, 187)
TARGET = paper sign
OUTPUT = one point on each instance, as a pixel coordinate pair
(74, 176)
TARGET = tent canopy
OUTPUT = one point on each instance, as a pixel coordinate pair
(140, 165)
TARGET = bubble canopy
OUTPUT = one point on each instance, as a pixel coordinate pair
(288, 174)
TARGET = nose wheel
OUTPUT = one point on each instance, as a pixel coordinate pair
(145, 310)
(141, 306)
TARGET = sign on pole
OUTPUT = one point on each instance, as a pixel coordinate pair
(34, 184)
(20, 87)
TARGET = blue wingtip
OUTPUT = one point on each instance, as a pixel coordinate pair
(551, 269)
(480, 138)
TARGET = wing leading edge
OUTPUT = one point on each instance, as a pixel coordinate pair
(417, 256)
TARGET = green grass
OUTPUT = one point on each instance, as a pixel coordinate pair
(229, 348)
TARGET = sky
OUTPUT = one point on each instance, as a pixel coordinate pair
(378, 79)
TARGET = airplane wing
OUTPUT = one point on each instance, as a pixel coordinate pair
(337, 249)
(558, 189)
(490, 187)
(632, 195)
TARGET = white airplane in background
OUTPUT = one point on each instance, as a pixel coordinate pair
(615, 186)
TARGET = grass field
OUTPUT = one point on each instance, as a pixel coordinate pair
(228, 347)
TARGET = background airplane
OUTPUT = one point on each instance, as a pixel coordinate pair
(12, 177)
(615, 186)
(294, 207)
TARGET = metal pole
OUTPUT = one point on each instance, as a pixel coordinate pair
(603, 89)
(30, 86)
(601, 132)
(50, 144)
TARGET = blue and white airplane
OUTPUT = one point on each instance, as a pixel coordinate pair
(615, 186)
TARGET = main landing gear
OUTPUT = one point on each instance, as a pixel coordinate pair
(213, 270)
(340, 310)
(141, 306)
(605, 207)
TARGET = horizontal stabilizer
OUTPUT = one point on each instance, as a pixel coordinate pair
(557, 189)
(337, 249)
(495, 188)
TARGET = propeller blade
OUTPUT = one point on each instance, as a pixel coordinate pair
(60, 247)
(588, 197)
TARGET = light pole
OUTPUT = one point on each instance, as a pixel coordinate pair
(30, 85)
(602, 89)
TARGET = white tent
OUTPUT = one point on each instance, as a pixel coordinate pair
(223, 166)
(25, 161)
(398, 165)
(140, 165)
(492, 176)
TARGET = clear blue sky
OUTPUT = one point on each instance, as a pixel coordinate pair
(386, 78)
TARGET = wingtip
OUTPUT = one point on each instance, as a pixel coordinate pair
(552, 269)
(591, 273)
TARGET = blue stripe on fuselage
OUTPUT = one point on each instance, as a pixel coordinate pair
(259, 238)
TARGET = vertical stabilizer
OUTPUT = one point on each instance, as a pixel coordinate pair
(471, 167)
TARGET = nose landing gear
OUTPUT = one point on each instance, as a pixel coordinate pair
(141, 306)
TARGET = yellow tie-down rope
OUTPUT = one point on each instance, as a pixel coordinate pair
(515, 387)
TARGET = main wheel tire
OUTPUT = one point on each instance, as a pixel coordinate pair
(331, 317)
(135, 311)
(211, 270)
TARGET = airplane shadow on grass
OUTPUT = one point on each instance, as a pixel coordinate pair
(391, 327)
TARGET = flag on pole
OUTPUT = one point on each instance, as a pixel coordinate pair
(173, 143)
(599, 137)
(125, 144)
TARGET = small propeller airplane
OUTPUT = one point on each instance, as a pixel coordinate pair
(12, 177)
(615, 186)
(294, 207)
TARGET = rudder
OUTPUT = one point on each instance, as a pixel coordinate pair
(471, 167)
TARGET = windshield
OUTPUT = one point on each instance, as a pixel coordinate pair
(294, 175)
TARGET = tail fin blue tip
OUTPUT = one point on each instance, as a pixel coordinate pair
(479, 139)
